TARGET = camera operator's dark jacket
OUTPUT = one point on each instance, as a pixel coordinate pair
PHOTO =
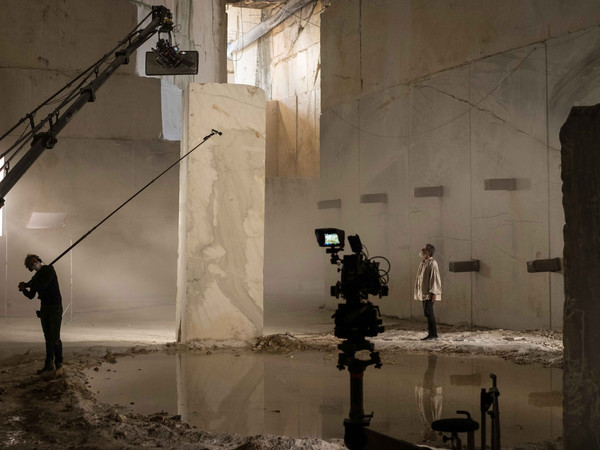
(45, 283)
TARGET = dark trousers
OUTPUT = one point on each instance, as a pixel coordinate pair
(428, 311)
(51, 317)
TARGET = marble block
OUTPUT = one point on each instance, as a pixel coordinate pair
(221, 231)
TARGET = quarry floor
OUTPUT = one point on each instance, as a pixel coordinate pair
(62, 412)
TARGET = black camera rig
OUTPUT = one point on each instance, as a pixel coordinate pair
(356, 319)
(360, 277)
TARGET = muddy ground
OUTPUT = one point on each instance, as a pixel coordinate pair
(61, 412)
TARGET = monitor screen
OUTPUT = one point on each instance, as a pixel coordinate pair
(332, 239)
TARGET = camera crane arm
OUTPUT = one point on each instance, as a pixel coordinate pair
(161, 21)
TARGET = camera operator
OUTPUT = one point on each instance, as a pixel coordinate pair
(428, 288)
(45, 283)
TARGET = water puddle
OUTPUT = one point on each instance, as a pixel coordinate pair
(307, 396)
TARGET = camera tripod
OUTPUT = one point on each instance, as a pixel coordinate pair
(356, 435)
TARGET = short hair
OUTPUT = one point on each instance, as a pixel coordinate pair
(32, 256)
(430, 248)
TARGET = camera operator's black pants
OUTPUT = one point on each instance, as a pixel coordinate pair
(51, 317)
(428, 311)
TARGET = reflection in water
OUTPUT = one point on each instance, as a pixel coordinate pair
(209, 389)
(305, 395)
(429, 399)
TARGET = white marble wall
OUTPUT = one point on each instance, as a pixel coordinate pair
(508, 138)
(372, 45)
(221, 239)
(290, 221)
(492, 117)
(383, 156)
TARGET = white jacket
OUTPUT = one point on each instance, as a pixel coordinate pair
(428, 280)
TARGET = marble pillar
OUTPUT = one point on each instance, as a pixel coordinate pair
(221, 214)
(581, 190)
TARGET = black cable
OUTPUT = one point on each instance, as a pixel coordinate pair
(385, 273)
(212, 133)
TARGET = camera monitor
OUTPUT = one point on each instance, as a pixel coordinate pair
(330, 237)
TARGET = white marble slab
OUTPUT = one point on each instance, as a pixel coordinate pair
(222, 186)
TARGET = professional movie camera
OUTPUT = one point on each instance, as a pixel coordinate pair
(354, 321)
(361, 277)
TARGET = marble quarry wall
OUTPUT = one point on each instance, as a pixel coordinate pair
(440, 124)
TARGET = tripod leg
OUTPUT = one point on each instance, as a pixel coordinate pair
(496, 424)
(483, 411)
(471, 440)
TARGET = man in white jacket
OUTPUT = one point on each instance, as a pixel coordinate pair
(428, 288)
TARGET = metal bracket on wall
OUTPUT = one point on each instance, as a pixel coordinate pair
(330, 204)
(500, 184)
(374, 198)
(431, 191)
(471, 265)
(544, 265)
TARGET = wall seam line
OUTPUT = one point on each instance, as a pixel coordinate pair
(471, 187)
(548, 187)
